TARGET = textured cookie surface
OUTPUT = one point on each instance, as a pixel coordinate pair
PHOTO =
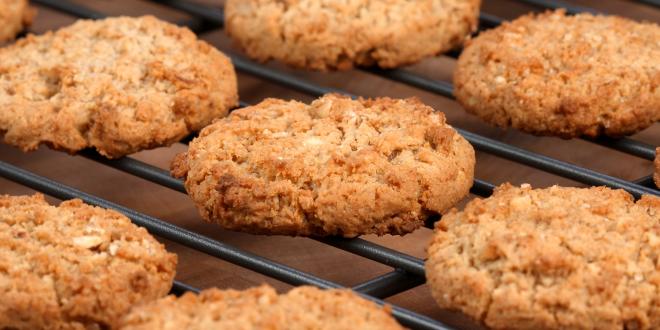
(119, 85)
(15, 15)
(74, 266)
(555, 258)
(330, 34)
(261, 308)
(334, 167)
(565, 76)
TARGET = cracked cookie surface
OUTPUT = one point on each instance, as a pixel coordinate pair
(330, 34)
(261, 308)
(74, 266)
(15, 15)
(118, 85)
(554, 258)
(566, 76)
(334, 167)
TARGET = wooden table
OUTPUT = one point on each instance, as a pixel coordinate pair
(330, 263)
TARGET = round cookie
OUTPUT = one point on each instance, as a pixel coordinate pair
(15, 15)
(555, 258)
(261, 308)
(74, 266)
(334, 167)
(329, 34)
(119, 85)
(566, 76)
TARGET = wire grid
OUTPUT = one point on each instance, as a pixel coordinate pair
(408, 270)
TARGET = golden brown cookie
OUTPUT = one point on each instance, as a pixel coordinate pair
(119, 85)
(334, 167)
(555, 258)
(74, 266)
(330, 34)
(261, 308)
(15, 15)
(567, 76)
(656, 163)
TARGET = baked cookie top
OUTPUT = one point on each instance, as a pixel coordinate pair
(567, 76)
(656, 165)
(74, 266)
(261, 308)
(119, 85)
(334, 167)
(329, 34)
(555, 258)
(15, 15)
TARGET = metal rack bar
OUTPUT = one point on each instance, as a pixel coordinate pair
(179, 288)
(482, 188)
(201, 243)
(646, 181)
(632, 147)
(71, 8)
(378, 253)
(211, 15)
(555, 166)
(438, 87)
(654, 3)
(139, 169)
(557, 4)
(488, 21)
(389, 284)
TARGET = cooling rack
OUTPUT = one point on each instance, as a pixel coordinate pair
(408, 271)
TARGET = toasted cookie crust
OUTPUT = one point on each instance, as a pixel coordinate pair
(119, 85)
(261, 308)
(15, 15)
(555, 258)
(656, 163)
(566, 76)
(334, 167)
(74, 266)
(329, 34)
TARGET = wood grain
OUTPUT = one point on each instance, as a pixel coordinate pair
(203, 271)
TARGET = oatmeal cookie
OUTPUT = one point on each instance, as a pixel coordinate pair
(329, 34)
(119, 85)
(334, 167)
(74, 266)
(566, 76)
(261, 308)
(555, 258)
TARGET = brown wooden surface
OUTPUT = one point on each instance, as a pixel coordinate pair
(202, 271)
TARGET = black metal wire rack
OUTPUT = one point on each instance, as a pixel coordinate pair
(408, 271)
